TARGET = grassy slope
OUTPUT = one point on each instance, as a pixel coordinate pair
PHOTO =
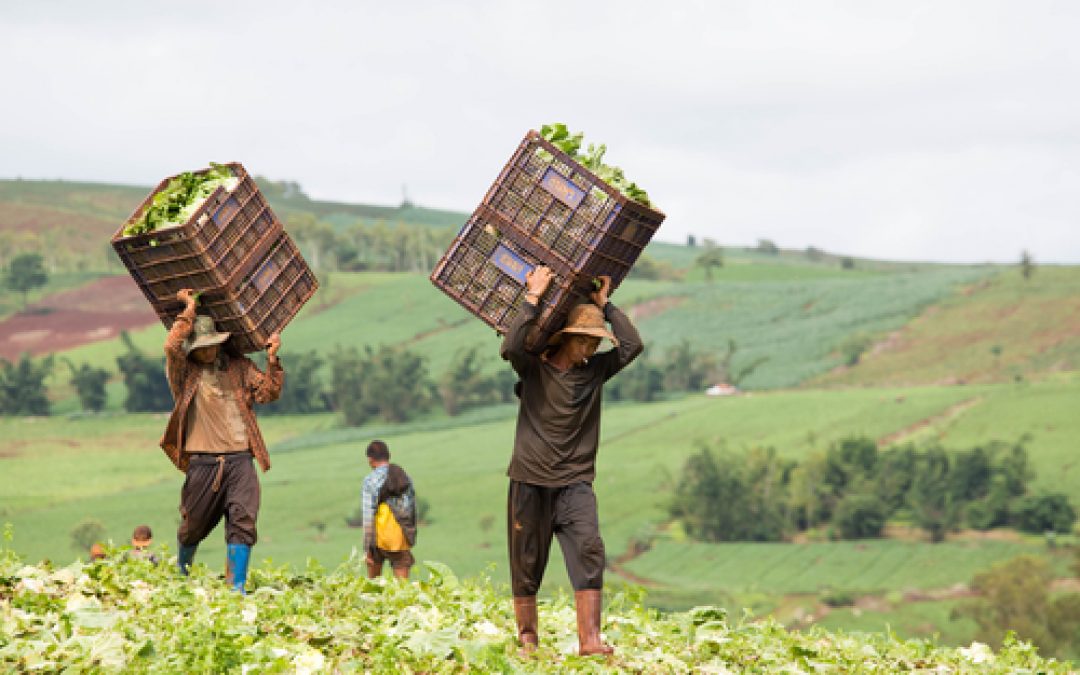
(998, 330)
(101, 207)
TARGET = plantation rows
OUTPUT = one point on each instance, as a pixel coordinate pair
(862, 567)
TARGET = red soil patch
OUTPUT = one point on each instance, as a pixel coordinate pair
(93, 312)
(38, 218)
(655, 306)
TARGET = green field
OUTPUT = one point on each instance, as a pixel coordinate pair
(57, 472)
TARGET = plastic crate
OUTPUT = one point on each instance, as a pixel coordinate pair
(484, 271)
(544, 208)
(260, 304)
(577, 218)
(210, 250)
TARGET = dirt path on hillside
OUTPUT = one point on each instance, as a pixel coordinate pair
(949, 414)
(93, 312)
(654, 306)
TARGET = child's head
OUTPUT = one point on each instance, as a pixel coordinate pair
(97, 552)
(142, 536)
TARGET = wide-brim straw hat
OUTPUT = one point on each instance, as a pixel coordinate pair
(585, 319)
(204, 334)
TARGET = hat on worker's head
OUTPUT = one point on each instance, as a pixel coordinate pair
(203, 335)
(585, 319)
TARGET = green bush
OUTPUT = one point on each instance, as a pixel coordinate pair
(860, 516)
(1044, 513)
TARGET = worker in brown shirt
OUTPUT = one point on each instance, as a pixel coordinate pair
(212, 435)
(555, 445)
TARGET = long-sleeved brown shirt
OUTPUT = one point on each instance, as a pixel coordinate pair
(558, 425)
(248, 384)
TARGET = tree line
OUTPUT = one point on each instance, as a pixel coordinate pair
(391, 383)
(853, 489)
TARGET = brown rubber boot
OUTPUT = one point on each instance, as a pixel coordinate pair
(588, 605)
(525, 613)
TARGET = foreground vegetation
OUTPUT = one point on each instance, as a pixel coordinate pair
(129, 615)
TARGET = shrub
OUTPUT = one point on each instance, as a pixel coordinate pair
(1044, 513)
(860, 516)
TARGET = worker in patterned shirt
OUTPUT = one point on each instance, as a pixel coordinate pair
(555, 445)
(388, 484)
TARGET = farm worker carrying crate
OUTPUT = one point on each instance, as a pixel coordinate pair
(555, 445)
(212, 434)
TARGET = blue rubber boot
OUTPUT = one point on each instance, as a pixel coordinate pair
(185, 557)
(237, 556)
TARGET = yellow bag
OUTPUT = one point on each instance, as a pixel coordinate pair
(388, 534)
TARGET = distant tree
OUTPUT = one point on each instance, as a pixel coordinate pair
(814, 254)
(711, 257)
(811, 502)
(1027, 265)
(87, 533)
(389, 383)
(687, 370)
(929, 498)
(767, 246)
(89, 383)
(850, 465)
(723, 497)
(22, 386)
(895, 471)
(304, 392)
(860, 516)
(847, 263)
(691, 241)
(25, 273)
(641, 381)
(1045, 513)
(648, 268)
(147, 387)
(465, 384)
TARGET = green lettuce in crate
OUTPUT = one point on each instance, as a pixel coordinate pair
(178, 200)
(593, 159)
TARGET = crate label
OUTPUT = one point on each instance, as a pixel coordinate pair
(266, 274)
(562, 189)
(226, 211)
(511, 263)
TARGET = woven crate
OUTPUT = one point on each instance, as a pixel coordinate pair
(577, 218)
(544, 208)
(260, 304)
(227, 234)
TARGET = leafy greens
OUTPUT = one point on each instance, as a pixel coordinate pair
(174, 204)
(593, 159)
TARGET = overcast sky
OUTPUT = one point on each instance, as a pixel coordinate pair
(945, 131)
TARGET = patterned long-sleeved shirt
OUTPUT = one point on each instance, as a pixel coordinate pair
(369, 502)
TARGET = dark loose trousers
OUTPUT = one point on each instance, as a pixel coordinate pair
(216, 486)
(534, 514)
